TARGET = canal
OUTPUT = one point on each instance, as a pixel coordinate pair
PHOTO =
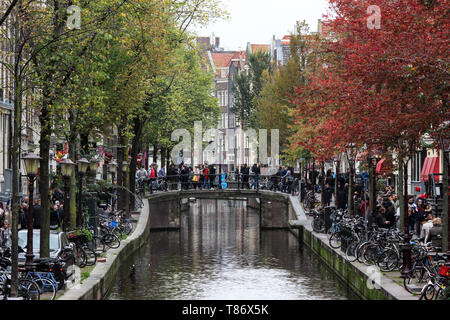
(220, 254)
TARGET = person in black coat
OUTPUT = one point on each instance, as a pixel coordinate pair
(381, 219)
(390, 211)
(342, 198)
(328, 194)
(37, 214)
(245, 175)
(55, 219)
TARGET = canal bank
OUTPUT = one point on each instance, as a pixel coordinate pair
(356, 276)
(102, 277)
(365, 281)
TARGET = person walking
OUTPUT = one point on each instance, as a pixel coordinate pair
(328, 194)
(5, 235)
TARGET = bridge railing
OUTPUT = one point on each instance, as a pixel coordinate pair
(276, 183)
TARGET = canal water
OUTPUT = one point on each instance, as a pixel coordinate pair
(220, 254)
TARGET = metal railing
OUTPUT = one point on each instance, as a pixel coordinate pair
(196, 181)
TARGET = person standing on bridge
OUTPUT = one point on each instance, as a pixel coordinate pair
(245, 175)
(151, 176)
(205, 177)
(256, 171)
(212, 175)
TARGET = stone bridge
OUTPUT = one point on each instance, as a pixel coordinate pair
(277, 210)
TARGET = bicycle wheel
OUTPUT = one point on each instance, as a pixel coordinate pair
(440, 295)
(80, 256)
(59, 278)
(335, 240)
(351, 252)
(415, 279)
(97, 243)
(111, 240)
(127, 227)
(370, 255)
(91, 256)
(388, 260)
(427, 292)
(47, 288)
(28, 290)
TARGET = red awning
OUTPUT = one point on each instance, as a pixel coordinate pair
(379, 167)
(431, 165)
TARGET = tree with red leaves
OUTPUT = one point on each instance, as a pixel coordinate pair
(384, 80)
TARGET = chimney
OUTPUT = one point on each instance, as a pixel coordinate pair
(217, 42)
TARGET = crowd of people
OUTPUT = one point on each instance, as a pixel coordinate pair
(423, 223)
(206, 176)
(56, 215)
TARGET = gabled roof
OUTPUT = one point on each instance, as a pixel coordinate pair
(260, 48)
(222, 59)
(286, 40)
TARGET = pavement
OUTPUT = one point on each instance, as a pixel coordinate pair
(391, 281)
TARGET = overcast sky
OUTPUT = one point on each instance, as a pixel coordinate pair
(256, 21)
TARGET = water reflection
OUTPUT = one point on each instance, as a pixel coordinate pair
(220, 254)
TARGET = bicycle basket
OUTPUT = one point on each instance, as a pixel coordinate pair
(444, 271)
(113, 224)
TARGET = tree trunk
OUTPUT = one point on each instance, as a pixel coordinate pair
(15, 156)
(44, 142)
(155, 153)
(322, 183)
(135, 149)
(73, 189)
(350, 189)
(163, 157)
(372, 190)
(445, 204)
(84, 142)
(336, 185)
(121, 157)
(400, 194)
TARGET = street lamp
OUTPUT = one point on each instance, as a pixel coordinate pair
(32, 167)
(112, 166)
(93, 166)
(83, 165)
(125, 167)
(67, 167)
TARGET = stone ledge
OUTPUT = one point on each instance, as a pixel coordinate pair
(100, 279)
(354, 274)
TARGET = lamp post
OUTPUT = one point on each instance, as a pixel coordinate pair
(93, 166)
(32, 167)
(112, 166)
(336, 181)
(92, 204)
(67, 167)
(125, 166)
(372, 187)
(406, 246)
(83, 165)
